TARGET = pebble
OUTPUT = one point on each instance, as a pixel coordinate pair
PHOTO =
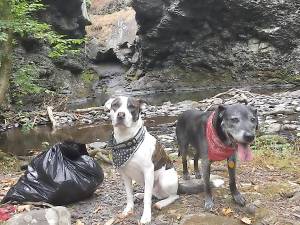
(250, 209)
(289, 127)
(273, 128)
(271, 110)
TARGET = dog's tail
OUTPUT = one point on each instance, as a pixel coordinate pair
(195, 186)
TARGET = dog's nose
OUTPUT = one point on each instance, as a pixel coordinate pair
(248, 137)
(121, 115)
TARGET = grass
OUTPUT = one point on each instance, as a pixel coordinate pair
(277, 151)
(8, 163)
(88, 76)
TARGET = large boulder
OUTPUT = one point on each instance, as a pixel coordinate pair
(112, 32)
(243, 38)
(68, 17)
(53, 216)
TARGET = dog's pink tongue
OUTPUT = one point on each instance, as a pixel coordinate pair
(244, 152)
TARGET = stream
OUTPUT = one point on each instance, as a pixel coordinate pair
(17, 142)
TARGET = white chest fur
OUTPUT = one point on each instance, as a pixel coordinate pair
(141, 160)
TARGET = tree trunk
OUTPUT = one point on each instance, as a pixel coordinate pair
(5, 67)
(5, 51)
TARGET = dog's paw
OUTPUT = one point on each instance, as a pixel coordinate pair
(239, 199)
(146, 219)
(209, 204)
(198, 175)
(139, 196)
(186, 176)
(157, 206)
(126, 212)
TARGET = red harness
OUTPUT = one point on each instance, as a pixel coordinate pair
(217, 150)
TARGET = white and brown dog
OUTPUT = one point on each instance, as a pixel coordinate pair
(138, 156)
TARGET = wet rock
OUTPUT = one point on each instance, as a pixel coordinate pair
(54, 216)
(289, 127)
(187, 33)
(250, 209)
(273, 128)
(71, 64)
(196, 185)
(66, 17)
(111, 36)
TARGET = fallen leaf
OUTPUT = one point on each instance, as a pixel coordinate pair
(246, 220)
(23, 208)
(78, 222)
(110, 222)
(256, 187)
(270, 167)
(97, 209)
(172, 211)
(227, 211)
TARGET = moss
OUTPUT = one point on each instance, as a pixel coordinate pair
(8, 163)
(277, 151)
(88, 76)
(272, 189)
(280, 76)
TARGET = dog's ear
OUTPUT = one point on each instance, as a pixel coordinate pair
(257, 126)
(254, 111)
(220, 110)
(142, 104)
(243, 101)
(256, 116)
(107, 105)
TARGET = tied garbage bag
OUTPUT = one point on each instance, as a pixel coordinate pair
(63, 174)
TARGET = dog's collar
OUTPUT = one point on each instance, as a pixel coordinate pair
(122, 152)
(217, 150)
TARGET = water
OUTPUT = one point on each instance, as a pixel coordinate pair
(156, 98)
(19, 143)
(159, 97)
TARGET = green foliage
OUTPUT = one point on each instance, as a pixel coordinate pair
(21, 22)
(274, 151)
(274, 145)
(8, 163)
(88, 76)
(24, 81)
(27, 126)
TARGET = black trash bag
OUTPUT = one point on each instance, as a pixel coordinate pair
(62, 175)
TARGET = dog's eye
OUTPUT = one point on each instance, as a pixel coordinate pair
(115, 106)
(235, 120)
(131, 107)
(252, 119)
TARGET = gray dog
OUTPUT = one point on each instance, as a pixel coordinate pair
(218, 135)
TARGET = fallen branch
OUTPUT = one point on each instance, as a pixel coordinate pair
(51, 117)
(38, 204)
(103, 158)
(89, 109)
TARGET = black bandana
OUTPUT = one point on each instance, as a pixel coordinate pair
(122, 152)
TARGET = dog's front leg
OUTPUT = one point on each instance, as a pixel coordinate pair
(129, 194)
(149, 181)
(238, 198)
(206, 177)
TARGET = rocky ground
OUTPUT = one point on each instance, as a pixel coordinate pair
(278, 112)
(271, 182)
